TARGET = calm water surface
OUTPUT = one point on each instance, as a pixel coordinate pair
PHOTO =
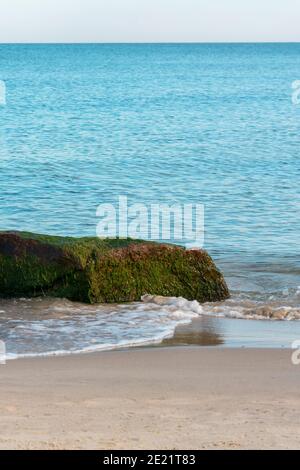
(211, 124)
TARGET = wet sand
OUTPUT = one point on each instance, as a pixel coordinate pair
(163, 398)
(235, 333)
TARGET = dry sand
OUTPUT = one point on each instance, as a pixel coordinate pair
(171, 398)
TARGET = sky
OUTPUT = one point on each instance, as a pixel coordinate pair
(149, 20)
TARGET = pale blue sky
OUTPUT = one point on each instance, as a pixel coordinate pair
(149, 20)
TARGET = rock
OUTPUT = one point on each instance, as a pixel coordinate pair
(113, 270)
(280, 313)
(265, 311)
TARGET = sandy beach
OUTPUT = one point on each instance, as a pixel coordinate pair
(161, 398)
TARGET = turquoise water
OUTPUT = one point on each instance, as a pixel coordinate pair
(210, 124)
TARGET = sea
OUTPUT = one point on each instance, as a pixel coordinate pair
(210, 124)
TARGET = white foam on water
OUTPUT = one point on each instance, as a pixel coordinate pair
(284, 305)
(240, 306)
(59, 327)
(47, 327)
(192, 308)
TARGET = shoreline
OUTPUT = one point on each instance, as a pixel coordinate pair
(165, 345)
(152, 398)
(201, 332)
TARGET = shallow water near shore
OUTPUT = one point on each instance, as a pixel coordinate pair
(57, 328)
(233, 333)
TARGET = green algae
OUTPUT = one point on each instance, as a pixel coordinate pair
(93, 270)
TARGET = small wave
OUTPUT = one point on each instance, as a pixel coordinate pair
(283, 305)
(41, 328)
(239, 306)
(55, 327)
(185, 307)
(92, 349)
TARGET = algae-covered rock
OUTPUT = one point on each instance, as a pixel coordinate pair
(113, 270)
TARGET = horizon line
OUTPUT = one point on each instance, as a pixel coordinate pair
(143, 42)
